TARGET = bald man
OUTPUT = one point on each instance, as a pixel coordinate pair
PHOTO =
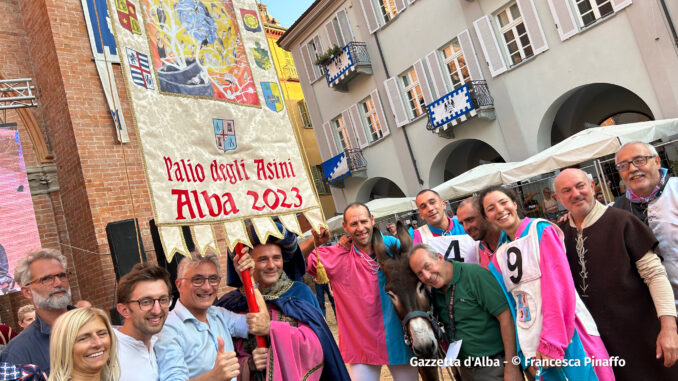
(620, 280)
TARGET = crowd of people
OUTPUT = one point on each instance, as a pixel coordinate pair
(591, 297)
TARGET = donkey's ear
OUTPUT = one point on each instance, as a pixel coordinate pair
(378, 245)
(404, 237)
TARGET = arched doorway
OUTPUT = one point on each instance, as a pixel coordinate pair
(590, 106)
(460, 156)
(378, 187)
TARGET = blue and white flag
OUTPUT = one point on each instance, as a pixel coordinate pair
(450, 106)
(336, 168)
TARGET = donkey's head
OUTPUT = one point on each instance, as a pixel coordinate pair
(409, 296)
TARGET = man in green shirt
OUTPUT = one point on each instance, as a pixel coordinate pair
(481, 316)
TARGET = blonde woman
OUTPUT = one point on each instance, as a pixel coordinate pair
(83, 347)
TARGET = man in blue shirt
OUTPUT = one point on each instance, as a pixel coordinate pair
(44, 281)
(195, 343)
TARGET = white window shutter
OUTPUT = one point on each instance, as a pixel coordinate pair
(345, 25)
(370, 15)
(308, 62)
(469, 53)
(423, 82)
(564, 18)
(331, 145)
(618, 5)
(318, 45)
(396, 101)
(350, 130)
(400, 5)
(488, 42)
(358, 126)
(439, 86)
(331, 34)
(411, 1)
(380, 113)
(533, 26)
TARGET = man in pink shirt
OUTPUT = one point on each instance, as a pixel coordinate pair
(370, 334)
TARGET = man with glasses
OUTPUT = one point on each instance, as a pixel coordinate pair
(652, 196)
(143, 300)
(195, 342)
(44, 281)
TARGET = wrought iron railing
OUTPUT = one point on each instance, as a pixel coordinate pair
(356, 160)
(480, 94)
(354, 51)
(359, 53)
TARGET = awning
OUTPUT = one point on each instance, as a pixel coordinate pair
(587, 145)
(472, 180)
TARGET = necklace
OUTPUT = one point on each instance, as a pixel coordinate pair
(370, 263)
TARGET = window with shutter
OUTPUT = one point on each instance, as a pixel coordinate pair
(370, 119)
(590, 11)
(387, 10)
(513, 34)
(412, 91)
(303, 111)
(338, 126)
(317, 175)
(455, 64)
(315, 50)
(376, 101)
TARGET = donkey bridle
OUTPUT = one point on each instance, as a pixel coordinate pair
(438, 330)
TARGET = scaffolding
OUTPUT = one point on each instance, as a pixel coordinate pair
(17, 93)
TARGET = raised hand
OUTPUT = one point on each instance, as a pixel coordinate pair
(226, 365)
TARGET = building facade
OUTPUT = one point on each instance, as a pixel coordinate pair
(296, 108)
(423, 90)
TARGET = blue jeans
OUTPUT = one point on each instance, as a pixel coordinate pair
(320, 291)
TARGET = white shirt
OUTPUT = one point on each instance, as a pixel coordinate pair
(137, 363)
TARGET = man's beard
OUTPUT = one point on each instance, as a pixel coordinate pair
(52, 302)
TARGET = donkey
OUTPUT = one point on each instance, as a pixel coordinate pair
(410, 299)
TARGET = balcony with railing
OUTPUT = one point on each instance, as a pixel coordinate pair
(346, 64)
(473, 99)
(351, 162)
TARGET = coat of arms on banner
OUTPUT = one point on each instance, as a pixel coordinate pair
(139, 69)
(224, 132)
(250, 20)
(272, 95)
(196, 49)
(127, 15)
(261, 57)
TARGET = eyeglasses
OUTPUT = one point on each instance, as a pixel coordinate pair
(48, 280)
(199, 280)
(638, 161)
(146, 304)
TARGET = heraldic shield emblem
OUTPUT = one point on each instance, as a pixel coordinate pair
(224, 133)
(272, 95)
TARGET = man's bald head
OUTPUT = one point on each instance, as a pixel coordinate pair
(576, 192)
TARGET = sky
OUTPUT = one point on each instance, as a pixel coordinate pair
(286, 11)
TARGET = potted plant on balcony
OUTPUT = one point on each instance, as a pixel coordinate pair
(335, 51)
(323, 60)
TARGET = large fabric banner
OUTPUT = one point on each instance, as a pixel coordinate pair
(217, 143)
(19, 230)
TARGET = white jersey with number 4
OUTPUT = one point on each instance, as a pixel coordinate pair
(461, 248)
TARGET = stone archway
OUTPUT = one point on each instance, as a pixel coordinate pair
(588, 106)
(460, 156)
(378, 187)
